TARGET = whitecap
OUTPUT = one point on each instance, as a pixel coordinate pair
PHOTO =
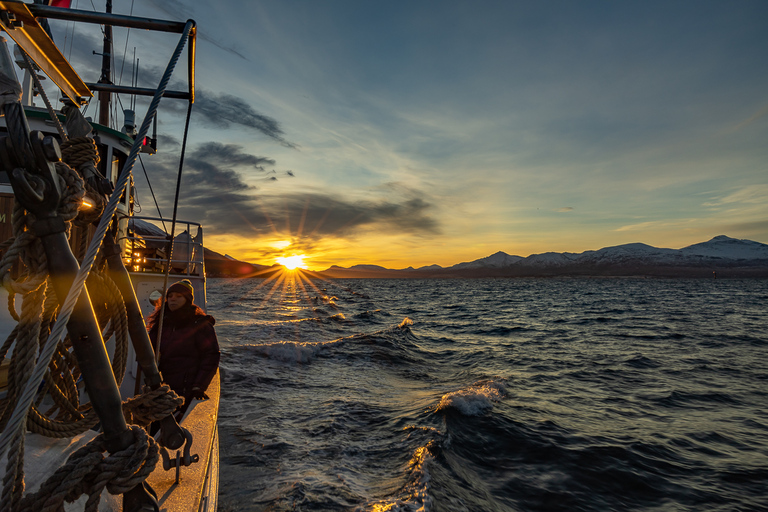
(475, 400)
(291, 351)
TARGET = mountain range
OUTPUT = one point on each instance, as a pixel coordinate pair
(721, 256)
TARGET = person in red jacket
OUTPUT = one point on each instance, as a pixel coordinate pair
(189, 349)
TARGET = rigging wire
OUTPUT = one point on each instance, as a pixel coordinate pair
(125, 49)
(122, 66)
(173, 229)
(159, 214)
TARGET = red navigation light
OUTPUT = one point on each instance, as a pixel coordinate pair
(149, 145)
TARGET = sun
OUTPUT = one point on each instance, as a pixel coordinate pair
(293, 262)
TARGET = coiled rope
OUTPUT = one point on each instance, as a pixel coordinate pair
(88, 471)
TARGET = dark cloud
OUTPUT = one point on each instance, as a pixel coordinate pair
(315, 215)
(168, 141)
(230, 155)
(215, 193)
(220, 110)
(211, 170)
(225, 110)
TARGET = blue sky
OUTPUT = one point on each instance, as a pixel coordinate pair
(412, 133)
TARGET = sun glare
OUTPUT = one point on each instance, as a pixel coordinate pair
(292, 262)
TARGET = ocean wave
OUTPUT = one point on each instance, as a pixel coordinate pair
(338, 317)
(371, 314)
(474, 400)
(304, 352)
(678, 398)
(293, 351)
(414, 497)
(325, 299)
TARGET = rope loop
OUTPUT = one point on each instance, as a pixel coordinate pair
(82, 154)
(79, 151)
(151, 405)
(88, 471)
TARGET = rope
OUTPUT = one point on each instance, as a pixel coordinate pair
(152, 405)
(67, 417)
(88, 471)
(17, 420)
(51, 112)
(28, 333)
(81, 153)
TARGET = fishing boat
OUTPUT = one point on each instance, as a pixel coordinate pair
(79, 379)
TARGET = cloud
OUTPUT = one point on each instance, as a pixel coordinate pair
(752, 119)
(168, 141)
(644, 226)
(224, 110)
(216, 193)
(565, 209)
(327, 214)
(221, 110)
(230, 155)
(752, 194)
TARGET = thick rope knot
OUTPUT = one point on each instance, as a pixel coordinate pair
(82, 154)
(151, 405)
(89, 471)
(79, 151)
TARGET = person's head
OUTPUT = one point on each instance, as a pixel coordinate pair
(179, 294)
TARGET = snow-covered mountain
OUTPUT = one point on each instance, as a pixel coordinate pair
(729, 248)
(718, 250)
(722, 255)
(498, 260)
(721, 251)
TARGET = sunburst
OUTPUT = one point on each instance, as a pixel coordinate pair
(293, 262)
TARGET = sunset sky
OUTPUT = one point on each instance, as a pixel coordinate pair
(412, 133)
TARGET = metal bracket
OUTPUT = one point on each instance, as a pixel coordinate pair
(181, 460)
(29, 159)
(9, 20)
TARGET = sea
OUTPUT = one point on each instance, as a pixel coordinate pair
(540, 394)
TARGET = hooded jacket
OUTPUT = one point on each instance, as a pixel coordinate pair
(189, 349)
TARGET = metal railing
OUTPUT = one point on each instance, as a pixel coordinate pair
(148, 252)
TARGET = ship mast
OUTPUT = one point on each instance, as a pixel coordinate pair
(106, 55)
